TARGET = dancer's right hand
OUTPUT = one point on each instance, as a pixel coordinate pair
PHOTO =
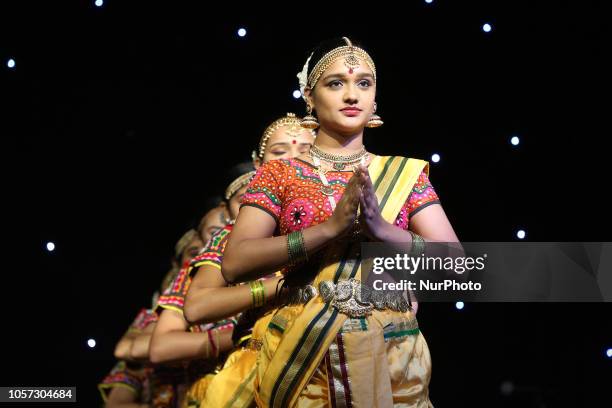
(345, 213)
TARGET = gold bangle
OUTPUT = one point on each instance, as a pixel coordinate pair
(258, 294)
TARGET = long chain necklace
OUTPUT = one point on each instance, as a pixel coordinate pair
(326, 189)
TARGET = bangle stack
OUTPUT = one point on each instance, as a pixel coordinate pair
(258, 293)
(296, 248)
(418, 244)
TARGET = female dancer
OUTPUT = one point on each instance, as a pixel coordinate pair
(335, 342)
(129, 384)
(197, 348)
(209, 298)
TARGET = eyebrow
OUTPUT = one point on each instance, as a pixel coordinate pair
(360, 75)
(278, 143)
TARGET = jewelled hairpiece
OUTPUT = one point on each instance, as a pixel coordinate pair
(293, 130)
(238, 184)
(351, 55)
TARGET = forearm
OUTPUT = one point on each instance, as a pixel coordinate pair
(390, 234)
(401, 240)
(179, 346)
(123, 347)
(140, 347)
(207, 305)
(250, 259)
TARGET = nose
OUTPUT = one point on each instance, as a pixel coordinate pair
(350, 94)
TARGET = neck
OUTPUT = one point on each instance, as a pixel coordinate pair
(332, 142)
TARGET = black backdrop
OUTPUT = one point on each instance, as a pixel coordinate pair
(118, 122)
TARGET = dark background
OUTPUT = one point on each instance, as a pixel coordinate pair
(119, 121)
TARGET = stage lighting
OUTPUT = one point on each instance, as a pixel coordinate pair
(515, 140)
(609, 353)
(520, 234)
(428, 1)
(487, 28)
(99, 3)
(459, 305)
(91, 343)
(50, 246)
(507, 388)
(10, 63)
(241, 32)
(297, 94)
(435, 157)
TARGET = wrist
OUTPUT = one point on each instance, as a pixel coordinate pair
(384, 231)
(258, 293)
(330, 229)
(270, 287)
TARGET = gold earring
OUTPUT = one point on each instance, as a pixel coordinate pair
(375, 120)
(309, 121)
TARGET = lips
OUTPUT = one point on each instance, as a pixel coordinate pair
(351, 111)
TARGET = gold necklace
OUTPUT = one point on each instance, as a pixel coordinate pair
(339, 162)
(326, 189)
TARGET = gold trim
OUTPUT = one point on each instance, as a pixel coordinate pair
(351, 55)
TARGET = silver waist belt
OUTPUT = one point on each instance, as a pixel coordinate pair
(350, 297)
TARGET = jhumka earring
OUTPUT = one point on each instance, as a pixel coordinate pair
(309, 121)
(375, 120)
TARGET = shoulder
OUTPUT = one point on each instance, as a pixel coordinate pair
(405, 163)
(270, 173)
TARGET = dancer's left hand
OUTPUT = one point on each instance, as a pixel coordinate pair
(370, 219)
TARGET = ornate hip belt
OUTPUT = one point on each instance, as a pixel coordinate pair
(350, 297)
(250, 343)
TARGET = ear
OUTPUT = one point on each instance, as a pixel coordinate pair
(256, 160)
(309, 97)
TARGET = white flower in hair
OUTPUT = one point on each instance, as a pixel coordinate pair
(303, 77)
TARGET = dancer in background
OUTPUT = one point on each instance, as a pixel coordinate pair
(197, 348)
(210, 298)
(130, 382)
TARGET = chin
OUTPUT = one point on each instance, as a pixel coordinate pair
(347, 126)
(349, 129)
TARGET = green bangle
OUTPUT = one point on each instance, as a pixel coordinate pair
(296, 248)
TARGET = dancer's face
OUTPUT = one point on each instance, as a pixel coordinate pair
(283, 145)
(213, 221)
(339, 89)
(191, 250)
(234, 202)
